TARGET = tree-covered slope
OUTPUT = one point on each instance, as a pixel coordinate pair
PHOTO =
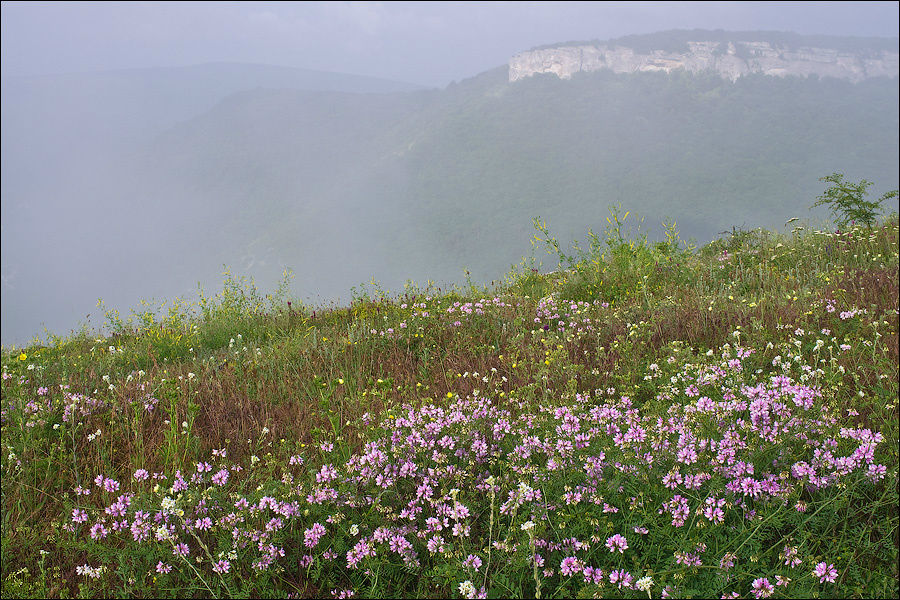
(435, 182)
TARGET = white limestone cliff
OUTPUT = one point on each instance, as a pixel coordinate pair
(733, 61)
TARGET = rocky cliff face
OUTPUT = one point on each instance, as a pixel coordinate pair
(730, 60)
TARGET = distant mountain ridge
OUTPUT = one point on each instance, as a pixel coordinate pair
(730, 54)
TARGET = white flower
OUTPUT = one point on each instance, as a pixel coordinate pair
(90, 571)
(168, 505)
(467, 589)
(527, 526)
(644, 584)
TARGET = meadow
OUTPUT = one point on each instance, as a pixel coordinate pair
(651, 419)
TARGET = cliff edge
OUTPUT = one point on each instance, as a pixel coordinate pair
(730, 59)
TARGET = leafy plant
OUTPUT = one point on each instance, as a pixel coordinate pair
(847, 201)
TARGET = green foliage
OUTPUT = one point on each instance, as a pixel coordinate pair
(622, 264)
(847, 201)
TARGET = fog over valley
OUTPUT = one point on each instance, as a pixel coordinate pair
(146, 149)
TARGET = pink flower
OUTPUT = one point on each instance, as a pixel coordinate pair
(762, 588)
(622, 578)
(876, 472)
(223, 566)
(790, 557)
(78, 516)
(312, 535)
(825, 572)
(221, 477)
(570, 565)
(98, 531)
(617, 542)
(436, 544)
(593, 575)
(687, 559)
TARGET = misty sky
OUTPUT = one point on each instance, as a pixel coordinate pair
(429, 43)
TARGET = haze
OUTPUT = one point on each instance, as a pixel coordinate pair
(95, 203)
(428, 43)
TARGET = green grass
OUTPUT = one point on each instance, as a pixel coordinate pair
(442, 438)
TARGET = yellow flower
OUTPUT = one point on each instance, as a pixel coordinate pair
(23, 357)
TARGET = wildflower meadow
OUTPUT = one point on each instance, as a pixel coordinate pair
(651, 419)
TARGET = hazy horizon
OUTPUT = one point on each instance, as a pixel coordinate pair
(425, 43)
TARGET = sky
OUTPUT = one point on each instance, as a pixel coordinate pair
(428, 43)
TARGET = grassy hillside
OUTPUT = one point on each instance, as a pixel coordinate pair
(651, 418)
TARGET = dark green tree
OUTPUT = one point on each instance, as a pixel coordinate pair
(847, 201)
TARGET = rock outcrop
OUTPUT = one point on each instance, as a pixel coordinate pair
(730, 59)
